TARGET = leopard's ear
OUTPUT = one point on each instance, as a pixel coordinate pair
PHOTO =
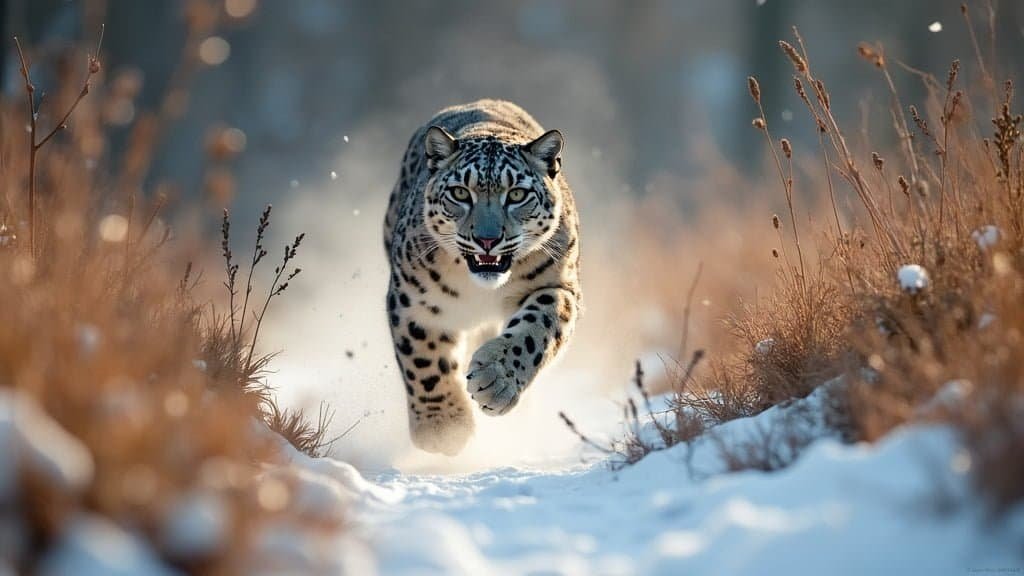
(547, 151)
(438, 145)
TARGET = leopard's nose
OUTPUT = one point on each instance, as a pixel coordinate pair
(486, 243)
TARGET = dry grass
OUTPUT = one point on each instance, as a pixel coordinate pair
(949, 197)
(100, 325)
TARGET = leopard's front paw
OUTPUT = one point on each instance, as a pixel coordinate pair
(492, 380)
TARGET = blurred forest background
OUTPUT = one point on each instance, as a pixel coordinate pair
(652, 98)
(647, 79)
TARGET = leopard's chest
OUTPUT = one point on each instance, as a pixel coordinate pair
(464, 305)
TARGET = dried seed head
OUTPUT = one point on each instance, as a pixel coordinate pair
(775, 253)
(870, 54)
(787, 148)
(956, 111)
(823, 97)
(878, 161)
(759, 123)
(963, 8)
(798, 61)
(94, 65)
(904, 186)
(755, 89)
(954, 69)
(922, 124)
(776, 223)
(800, 90)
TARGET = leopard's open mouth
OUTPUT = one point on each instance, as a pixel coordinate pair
(480, 263)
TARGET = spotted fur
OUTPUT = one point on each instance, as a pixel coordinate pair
(482, 237)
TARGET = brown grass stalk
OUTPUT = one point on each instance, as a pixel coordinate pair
(35, 145)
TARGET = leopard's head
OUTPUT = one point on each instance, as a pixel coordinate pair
(491, 202)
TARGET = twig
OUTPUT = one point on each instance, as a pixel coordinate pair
(276, 287)
(761, 123)
(582, 437)
(849, 168)
(986, 76)
(231, 270)
(683, 343)
(257, 254)
(34, 145)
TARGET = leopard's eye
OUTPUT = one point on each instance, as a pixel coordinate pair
(516, 195)
(460, 194)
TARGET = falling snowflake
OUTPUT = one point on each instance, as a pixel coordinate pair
(935, 26)
(334, 175)
(294, 184)
(345, 138)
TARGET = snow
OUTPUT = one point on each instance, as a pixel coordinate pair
(94, 546)
(986, 236)
(323, 492)
(913, 278)
(949, 397)
(840, 509)
(765, 346)
(89, 338)
(196, 526)
(903, 505)
(985, 320)
(40, 445)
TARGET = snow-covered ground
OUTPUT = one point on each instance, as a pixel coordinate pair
(902, 506)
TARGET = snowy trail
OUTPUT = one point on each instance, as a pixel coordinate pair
(899, 507)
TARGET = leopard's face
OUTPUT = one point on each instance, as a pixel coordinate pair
(491, 203)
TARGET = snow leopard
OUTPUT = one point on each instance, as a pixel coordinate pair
(482, 238)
